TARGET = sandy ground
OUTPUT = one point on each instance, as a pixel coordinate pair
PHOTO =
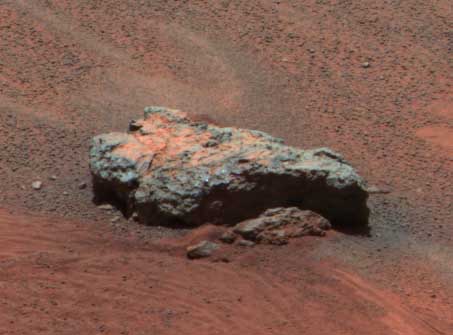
(370, 79)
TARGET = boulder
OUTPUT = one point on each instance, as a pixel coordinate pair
(170, 170)
(278, 225)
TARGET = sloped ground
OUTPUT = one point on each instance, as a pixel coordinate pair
(68, 278)
(372, 80)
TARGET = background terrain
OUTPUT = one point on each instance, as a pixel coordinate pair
(372, 80)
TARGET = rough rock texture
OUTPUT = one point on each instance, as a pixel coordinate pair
(278, 225)
(169, 169)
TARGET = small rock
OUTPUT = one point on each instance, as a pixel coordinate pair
(366, 65)
(37, 185)
(246, 243)
(65, 193)
(115, 219)
(228, 237)
(82, 186)
(277, 225)
(201, 250)
(106, 207)
(53, 177)
(376, 190)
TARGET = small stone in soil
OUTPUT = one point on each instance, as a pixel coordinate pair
(106, 207)
(201, 250)
(376, 190)
(37, 185)
(246, 243)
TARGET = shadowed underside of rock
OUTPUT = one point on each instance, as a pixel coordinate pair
(170, 170)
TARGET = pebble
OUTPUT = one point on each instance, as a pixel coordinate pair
(82, 186)
(376, 190)
(366, 65)
(106, 207)
(201, 250)
(246, 243)
(37, 185)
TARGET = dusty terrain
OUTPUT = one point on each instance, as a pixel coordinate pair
(372, 80)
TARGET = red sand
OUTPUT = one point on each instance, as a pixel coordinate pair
(68, 278)
(438, 135)
(73, 69)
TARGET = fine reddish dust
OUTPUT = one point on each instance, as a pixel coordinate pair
(444, 109)
(370, 79)
(72, 278)
(441, 136)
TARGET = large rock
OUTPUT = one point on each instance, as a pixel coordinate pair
(171, 170)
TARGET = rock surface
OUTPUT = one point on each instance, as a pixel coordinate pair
(171, 170)
(278, 225)
(201, 250)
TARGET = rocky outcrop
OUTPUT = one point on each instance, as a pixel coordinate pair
(278, 225)
(170, 170)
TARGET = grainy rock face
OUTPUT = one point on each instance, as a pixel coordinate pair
(278, 225)
(169, 169)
